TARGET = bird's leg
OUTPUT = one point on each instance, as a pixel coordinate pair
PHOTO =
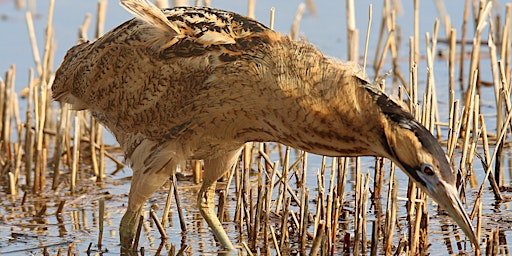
(142, 187)
(150, 171)
(213, 170)
(206, 207)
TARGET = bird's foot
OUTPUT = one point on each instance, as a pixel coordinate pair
(127, 228)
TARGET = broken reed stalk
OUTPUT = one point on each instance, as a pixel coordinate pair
(101, 218)
(463, 44)
(487, 159)
(352, 33)
(391, 206)
(174, 182)
(167, 207)
(294, 32)
(272, 16)
(161, 229)
(76, 152)
(370, 14)
(251, 6)
(100, 18)
(489, 165)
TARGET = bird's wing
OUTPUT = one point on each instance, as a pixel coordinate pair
(149, 13)
(191, 31)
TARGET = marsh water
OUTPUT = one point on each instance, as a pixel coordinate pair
(25, 230)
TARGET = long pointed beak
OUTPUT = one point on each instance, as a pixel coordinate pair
(447, 196)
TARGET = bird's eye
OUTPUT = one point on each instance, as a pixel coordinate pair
(427, 169)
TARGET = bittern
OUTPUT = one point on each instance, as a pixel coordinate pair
(197, 83)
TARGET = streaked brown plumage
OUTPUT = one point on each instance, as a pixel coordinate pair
(197, 83)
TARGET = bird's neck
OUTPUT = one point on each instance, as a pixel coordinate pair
(318, 105)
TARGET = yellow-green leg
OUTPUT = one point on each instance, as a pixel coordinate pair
(214, 168)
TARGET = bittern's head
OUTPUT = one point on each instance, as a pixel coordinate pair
(411, 146)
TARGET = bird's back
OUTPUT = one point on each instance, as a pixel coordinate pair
(141, 73)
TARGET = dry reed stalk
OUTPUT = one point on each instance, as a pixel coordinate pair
(414, 235)
(197, 171)
(463, 44)
(62, 133)
(476, 135)
(8, 109)
(2, 108)
(390, 219)
(328, 215)
(48, 52)
(247, 249)
(489, 164)
(294, 32)
(343, 163)
(238, 196)
(453, 107)
(368, 28)
(174, 182)
(274, 240)
(475, 56)
(101, 171)
(506, 43)
(320, 197)
(101, 218)
(161, 229)
(357, 212)
(135, 244)
(29, 133)
(505, 90)
(487, 159)
(280, 176)
(412, 195)
(416, 37)
(431, 53)
(364, 205)
(92, 137)
(441, 9)
(388, 44)
(413, 81)
(221, 206)
(478, 226)
(251, 6)
(268, 204)
(455, 130)
(180, 2)
(466, 119)
(167, 207)
(304, 204)
(352, 33)
(304, 222)
(162, 4)
(383, 22)
(71, 248)
(272, 16)
(317, 240)
(33, 43)
(82, 31)
(258, 212)
(76, 152)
